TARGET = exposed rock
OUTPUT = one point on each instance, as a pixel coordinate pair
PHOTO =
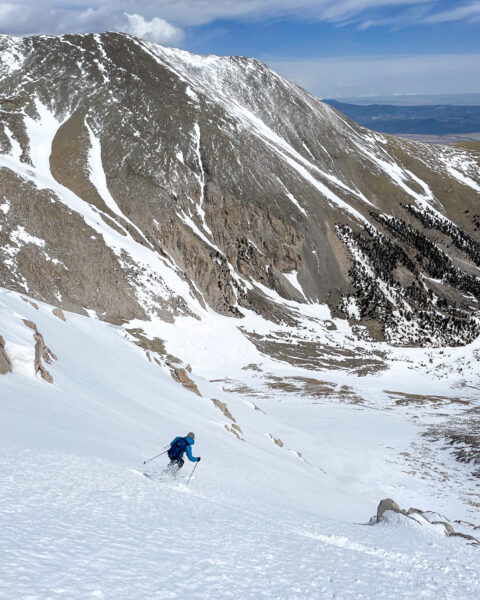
(42, 352)
(5, 363)
(30, 324)
(426, 516)
(223, 407)
(467, 523)
(275, 440)
(252, 367)
(449, 530)
(150, 344)
(460, 432)
(229, 212)
(233, 431)
(466, 536)
(179, 373)
(58, 312)
(32, 304)
(387, 504)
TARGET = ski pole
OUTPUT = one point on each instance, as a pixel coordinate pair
(192, 472)
(146, 461)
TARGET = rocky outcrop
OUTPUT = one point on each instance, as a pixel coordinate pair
(5, 362)
(42, 353)
(233, 428)
(58, 312)
(388, 504)
(32, 304)
(422, 517)
(179, 373)
(275, 440)
(222, 406)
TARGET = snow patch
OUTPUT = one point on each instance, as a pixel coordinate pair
(292, 279)
(16, 149)
(20, 235)
(5, 206)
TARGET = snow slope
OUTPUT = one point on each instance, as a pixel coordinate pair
(78, 519)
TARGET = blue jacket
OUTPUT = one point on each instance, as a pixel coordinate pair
(188, 449)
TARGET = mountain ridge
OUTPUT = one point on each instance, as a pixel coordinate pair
(186, 184)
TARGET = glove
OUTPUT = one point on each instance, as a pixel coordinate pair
(198, 459)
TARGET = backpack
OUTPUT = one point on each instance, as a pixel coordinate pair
(177, 449)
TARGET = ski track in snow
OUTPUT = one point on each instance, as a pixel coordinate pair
(91, 528)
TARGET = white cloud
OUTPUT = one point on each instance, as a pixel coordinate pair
(469, 12)
(29, 18)
(196, 12)
(157, 30)
(73, 16)
(357, 76)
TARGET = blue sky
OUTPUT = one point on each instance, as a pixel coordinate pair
(331, 47)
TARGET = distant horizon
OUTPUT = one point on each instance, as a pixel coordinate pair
(414, 99)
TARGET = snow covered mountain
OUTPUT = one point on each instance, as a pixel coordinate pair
(150, 175)
(194, 243)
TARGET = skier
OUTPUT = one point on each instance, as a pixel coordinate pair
(176, 451)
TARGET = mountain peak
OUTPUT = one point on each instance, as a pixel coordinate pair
(206, 180)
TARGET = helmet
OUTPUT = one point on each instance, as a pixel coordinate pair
(191, 435)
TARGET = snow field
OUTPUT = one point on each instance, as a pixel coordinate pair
(81, 527)
(78, 521)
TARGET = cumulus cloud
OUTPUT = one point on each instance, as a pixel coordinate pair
(156, 30)
(337, 77)
(29, 18)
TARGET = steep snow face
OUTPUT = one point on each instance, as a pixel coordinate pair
(281, 512)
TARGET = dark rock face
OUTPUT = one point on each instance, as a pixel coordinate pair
(134, 178)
